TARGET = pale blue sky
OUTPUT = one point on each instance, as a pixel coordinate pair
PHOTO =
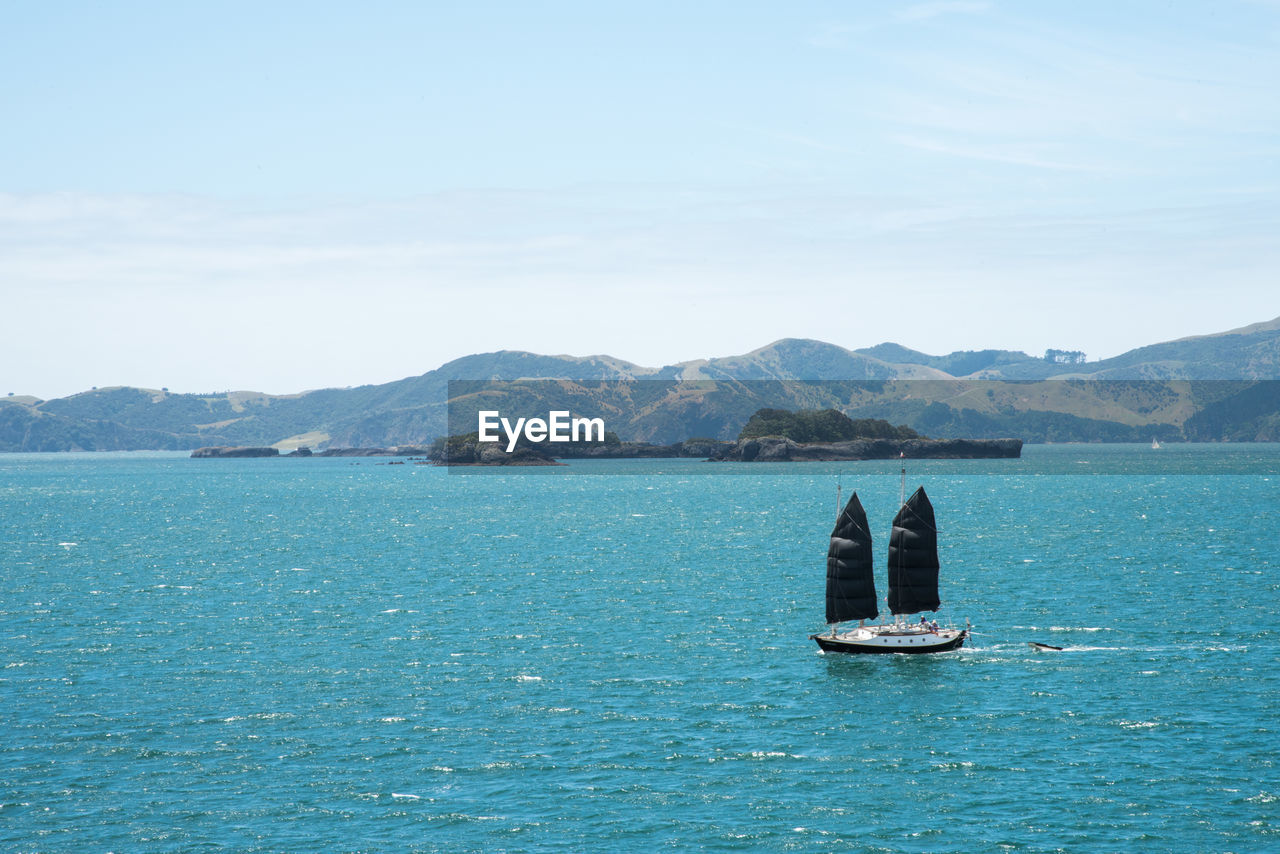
(288, 195)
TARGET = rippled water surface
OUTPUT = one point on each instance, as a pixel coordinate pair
(274, 655)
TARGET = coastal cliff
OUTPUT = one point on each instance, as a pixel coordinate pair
(772, 449)
(227, 453)
(234, 452)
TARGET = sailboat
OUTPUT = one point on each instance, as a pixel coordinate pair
(913, 583)
(1155, 444)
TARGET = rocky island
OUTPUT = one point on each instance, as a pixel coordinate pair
(771, 435)
(467, 450)
(777, 449)
(778, 435)
(221, 452)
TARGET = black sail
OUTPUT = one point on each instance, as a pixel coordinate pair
(851, 585)
(913, 558)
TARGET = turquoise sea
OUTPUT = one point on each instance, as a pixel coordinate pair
(344, 655)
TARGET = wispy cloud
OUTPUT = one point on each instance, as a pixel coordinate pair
(1042, 95)
(345, 294)
(1015, 154)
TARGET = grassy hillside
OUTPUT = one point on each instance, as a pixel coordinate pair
(1166, 389)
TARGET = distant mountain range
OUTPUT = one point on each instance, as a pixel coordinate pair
(1224, 386)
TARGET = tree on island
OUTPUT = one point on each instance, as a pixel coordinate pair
(1064, 357)
(820, 425)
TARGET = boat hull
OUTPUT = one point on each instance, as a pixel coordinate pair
(879, 640)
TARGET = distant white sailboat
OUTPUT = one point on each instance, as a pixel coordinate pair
(1155, 444)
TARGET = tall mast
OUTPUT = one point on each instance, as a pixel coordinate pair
(851, 590)
(838, 506)
(913, 557)
(902, 489)
(902, 501)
